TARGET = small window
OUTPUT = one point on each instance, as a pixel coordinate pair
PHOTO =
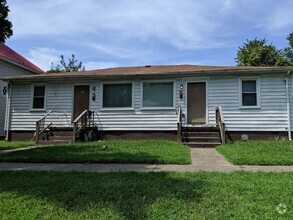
(249, 93)
(39, 97)
(158, 94)
(117, 95)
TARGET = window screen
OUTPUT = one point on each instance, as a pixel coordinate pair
(39, 97)
(157, 94)
(249, 94)
(117, 95)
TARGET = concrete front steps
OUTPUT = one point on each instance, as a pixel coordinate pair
(201, 136)
(57, 135)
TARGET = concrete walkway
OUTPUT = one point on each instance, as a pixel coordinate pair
(203, 159)
(17, 149)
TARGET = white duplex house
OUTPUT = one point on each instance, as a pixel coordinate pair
(155, 102)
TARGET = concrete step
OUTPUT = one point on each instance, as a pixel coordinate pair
(61, 133)
(53, 142)
(61, 129)
(55, 138)
(202, 144)
(201, 134)
(201, 129)
(201, 139)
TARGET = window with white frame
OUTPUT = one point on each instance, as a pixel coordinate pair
(249, 93)
(38, 97)
(158, 94)
(117, 95)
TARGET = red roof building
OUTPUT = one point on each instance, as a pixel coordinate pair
(10, 55)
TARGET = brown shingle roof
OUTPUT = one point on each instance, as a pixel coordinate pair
(150, 70)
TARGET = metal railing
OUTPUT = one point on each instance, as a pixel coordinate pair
(220, 123)
(41, 126)
(85, 119)
(47, 121)
(179, 124)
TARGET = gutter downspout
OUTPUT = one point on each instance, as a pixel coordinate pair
(288, 105)
(8, 104)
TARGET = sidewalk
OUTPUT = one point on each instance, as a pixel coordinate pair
(17, 149)
(203, 159)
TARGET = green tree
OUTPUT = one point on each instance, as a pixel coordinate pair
(257, 53)
(5, 25)
(72, 66)
(288, 51)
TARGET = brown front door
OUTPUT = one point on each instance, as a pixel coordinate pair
(81, 100)
(196, 103)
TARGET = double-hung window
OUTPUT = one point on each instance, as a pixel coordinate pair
(158, 95)
(117, 95)
(249, 93)
(38, 101)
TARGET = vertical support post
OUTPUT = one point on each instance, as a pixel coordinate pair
(288, 105)
(179, 124)
(74, 132)
(37, 132)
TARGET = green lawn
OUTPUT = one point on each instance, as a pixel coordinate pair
(7, 145)
(258, 152)
(53, 195)
(156, 151)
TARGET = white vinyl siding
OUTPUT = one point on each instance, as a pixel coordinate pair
(7, 70)
(221, 90)
(271, 116)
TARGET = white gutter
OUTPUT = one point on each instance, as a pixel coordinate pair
(288, 105)
(8, 104)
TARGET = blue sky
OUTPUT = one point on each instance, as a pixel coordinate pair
(115, 33)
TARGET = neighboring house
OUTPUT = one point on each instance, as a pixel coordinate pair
(143, 102)
(11, 64)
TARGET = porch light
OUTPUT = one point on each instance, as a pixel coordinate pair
(181, 91)
(93, 93)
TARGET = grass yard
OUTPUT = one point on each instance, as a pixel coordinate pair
(53, 195)
(7, 145)
(258, 152)
(156, 151)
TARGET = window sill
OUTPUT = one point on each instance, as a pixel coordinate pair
(37, 110)
(157, 108)
(249, 107)
(116, 109)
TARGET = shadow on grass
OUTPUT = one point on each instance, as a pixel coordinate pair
(84, 154)
(129, 194)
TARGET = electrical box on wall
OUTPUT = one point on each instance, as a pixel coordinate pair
(244, 137)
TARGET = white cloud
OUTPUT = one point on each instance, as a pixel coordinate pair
(44, 56)
(185, 24)
(92, 65)
(145, 31)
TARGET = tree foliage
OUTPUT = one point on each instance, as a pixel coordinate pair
(288, 51)
(5, 25)
(258, 52)
(72, 66)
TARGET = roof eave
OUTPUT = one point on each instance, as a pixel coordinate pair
(19, 65)
(181, 74)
